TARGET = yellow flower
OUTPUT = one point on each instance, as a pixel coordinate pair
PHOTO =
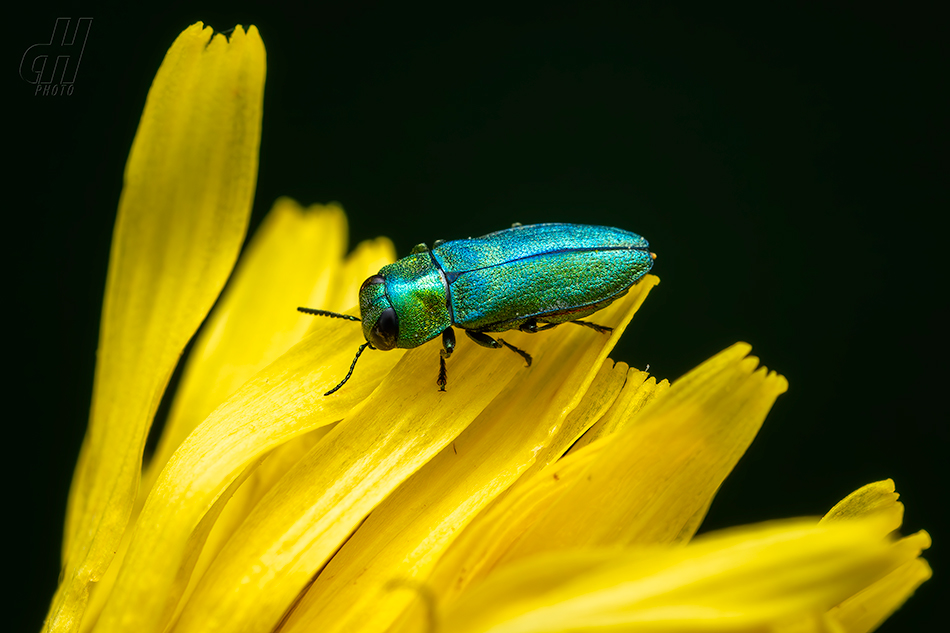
(563, 497)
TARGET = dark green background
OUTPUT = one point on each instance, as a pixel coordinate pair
(787, 164)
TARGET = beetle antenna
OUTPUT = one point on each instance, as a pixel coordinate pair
(352, 365)
(327, 313)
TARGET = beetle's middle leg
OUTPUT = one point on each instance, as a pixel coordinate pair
(448, 346)
(486, 341)
(531, 326)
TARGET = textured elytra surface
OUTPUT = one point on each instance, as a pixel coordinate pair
(502, 297)
(526, 241)
(547, 271)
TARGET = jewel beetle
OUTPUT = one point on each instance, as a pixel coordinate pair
(528, 278)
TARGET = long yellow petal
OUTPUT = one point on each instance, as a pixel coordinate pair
(738, 580)
(189, 184)
(533, 423)
(867, 609)
(305, 518)
(635, 494)
(283, 401)
(291, 261)
(294, 258)
(649, 483)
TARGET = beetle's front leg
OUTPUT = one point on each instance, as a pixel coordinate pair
(448, 346)
(486, 341)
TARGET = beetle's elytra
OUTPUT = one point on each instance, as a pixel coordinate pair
(529, 278)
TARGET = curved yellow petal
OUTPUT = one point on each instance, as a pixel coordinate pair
(291, 261)
(867, 609)
(878, 498)
(639, 390)
(283, 401)
(366, 259)
(634, 493)
(189, 184)
(294, 258)
(738, 580)
(305, 518)
(533, 422)
(648, 483)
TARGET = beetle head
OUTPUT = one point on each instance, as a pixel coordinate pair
(380, 323)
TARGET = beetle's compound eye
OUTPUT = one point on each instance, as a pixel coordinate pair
(384, 334)
(375, 279)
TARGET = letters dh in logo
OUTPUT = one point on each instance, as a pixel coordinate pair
(65, 48)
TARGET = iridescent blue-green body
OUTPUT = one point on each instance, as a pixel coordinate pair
(528, 278)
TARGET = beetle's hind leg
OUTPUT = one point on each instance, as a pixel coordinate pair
(531, 326)
(486, 341)
(448, 346)
(603, 329)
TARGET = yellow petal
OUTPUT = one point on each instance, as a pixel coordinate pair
(189, 184)
(649, 483)
(305, 518)
(738, 580)
(639, 390)
(282, 401)
(877, 498)
(370, 255)
(534, 421)
(635, 492)
(291, 261)
(867, 610)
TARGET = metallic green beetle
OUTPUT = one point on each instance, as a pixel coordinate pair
(529, 278)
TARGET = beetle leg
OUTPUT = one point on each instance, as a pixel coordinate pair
(603, 329)
(531, 326)
(486, 341)
(520, 352)
(448, 346)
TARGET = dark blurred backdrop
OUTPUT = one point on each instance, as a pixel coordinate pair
(788, 165)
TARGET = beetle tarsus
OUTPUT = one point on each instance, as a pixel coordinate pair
(603, 329)
(520, 352)
(443, 376)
